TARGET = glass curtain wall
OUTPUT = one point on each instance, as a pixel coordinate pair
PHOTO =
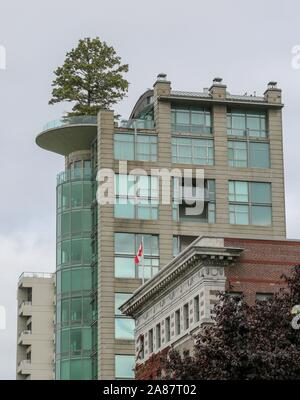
(74, 273)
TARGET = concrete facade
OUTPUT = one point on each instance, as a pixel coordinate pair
(35, 327)
(75, 141)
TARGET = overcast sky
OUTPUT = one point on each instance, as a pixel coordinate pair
(246, 43)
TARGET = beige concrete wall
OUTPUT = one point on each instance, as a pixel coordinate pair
(38, 317)
(165, 227)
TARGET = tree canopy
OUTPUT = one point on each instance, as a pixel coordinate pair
(247, 341)
(91, 76)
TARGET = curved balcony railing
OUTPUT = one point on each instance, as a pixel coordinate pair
(74, 175)
(76, 120)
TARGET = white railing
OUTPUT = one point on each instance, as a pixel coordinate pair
(26, 332)
(36, 275)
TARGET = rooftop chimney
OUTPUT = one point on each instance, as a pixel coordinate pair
(218, 89)
(161, 77)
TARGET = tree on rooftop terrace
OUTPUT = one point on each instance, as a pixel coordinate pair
(92, 76)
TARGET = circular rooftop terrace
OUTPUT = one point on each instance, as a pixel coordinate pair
(68, 134)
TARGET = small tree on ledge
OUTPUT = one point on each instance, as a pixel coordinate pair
(91, 76)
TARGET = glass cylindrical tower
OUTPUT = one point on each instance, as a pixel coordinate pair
(74, 274)
(76, 314)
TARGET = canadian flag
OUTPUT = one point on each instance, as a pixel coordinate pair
(139, 254)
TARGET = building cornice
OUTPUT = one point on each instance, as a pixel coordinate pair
(198, 252)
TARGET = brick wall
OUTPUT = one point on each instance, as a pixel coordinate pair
(259, 270)
(261, 266)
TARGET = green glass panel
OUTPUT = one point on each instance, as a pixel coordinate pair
(65, 370)
(86, 220)
(182, 117)
(75, 340)
(86, 338)
(120, 298)
(75, 373)
(259, 155)
(124, 267)
(124, 210)
(65, 251)
(58, 281)
(65, 224)
(261, 215)
(65, 195)
(260, 192)
(76, 251)
(87, 309)
(124, 243)
(87, 278)
(124, 366)
(76, 279)
(76, 197)
(76, 309)
(76, 222)
(87, 369)
(124, 328)
(87, 251)
(58, 198)
(65, 281)
(65, 340)
(87, 194)
(65, 310)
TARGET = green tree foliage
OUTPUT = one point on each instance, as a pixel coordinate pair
(246, 342)
(91, 76)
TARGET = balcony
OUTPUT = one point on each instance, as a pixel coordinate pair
(68, 134)
(24, 367)
(74, 175)
(137, 124)
(68, 121)
(25, 338)
(25, 309)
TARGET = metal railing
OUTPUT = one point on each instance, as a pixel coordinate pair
(26, 332)
(36, 275)
(76, 120)
(137, 124)
(24, 362)
(74, 174)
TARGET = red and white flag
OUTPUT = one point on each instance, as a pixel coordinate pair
(139, 254)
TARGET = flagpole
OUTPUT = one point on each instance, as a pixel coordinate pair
(143, 261)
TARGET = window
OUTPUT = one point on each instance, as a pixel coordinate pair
(182, 205)
(76, 341)
(150, 341)
(248, 154)
(264, 296)
(168, 329)
(124, 326)
(124, 366)
(126, 246)
(190, 119)
(186, 320)
(136, 196)
(192, 151)
(250, 203)
(196, 309)
(177, 322)
(158, 336)
(181, 242)
(135, 147)
(235, 295)
(246, 123)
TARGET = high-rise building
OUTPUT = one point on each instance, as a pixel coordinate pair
(35, 326)
(235, 139)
